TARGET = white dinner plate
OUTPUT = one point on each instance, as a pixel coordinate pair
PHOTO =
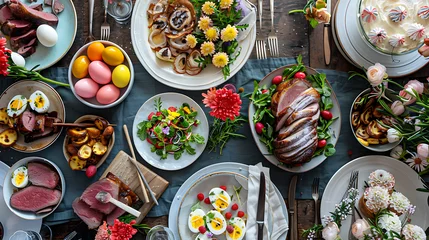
(360, 52)
(407, 181)
(143, 147)
(228, 174)
(11, 222)
(163, 71)
(334, 128)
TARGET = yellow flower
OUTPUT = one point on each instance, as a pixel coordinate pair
(187, 110)
(207, 48)
(172, 115)
(225, 3)
(229, 33)
(220, 59)
(204, 23)
(212, 34)
(191, 40)
(208, 7)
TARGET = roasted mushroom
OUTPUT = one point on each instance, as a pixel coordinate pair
(355, 119)
(361, 132)
(381, 127)
(76, 163)
(8, 137)
(77, 133)
(101, 123)
(79, 142)
(93, 132)
(373, 130)
(71, 149)
(99, 149)
(366, 115)
(108, 132)
(376, 112)
(4, 118)
(84, 152)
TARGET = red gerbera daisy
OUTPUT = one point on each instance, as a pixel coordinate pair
(122, 231)
(3, 57)
(223, 103)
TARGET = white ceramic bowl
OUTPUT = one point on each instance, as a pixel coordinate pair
(8, 188)
(92, 102)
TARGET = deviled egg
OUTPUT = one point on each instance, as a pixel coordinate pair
(20, 177)
(16, 106)
(239, 229)
(196, 220)
(205, 236)
(219, 198)
(39, 102)
(215, 222)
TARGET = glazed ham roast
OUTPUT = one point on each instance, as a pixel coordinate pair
(35, 198)
(295, 104)
(41, 175)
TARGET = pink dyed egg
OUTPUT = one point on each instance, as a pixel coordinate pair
(86, 88)
(100, 72)
(108, 94)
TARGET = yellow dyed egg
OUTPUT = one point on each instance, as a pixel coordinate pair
(80, 67)
(112, 56)
(121, 76)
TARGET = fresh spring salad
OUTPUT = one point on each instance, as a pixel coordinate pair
(169, 131)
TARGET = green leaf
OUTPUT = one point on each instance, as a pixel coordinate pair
(198, 138)
(177, 155)
(329, 150)
(190, 150)
(196, 206)
(313, 22)
(171, 148)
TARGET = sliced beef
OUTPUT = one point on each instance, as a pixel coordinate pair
(42, 175)
(19, 41)
(26, 51)
(35, 198)
(26, 122)
(293, 138)
(31, 137)
(298, 145)
(302, 157)
(110, 219)
(22, 11)
(40, 123)
(308, 111)
(38, 7)
(105, 185)
(91, 217)
(59, 7)
(5, 13)
(15, 28)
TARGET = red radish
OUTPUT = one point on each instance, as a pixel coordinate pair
(202, 229)
(150, 116)
(200, 196)
(259, 127)
(207, 200)
(228, 215)
(321, 143)
(223, 187)
(172, 109)
(264, 91)
(300, 75)
(326, 114)
(240, 214)
(91, 171)
(277, 80)
(234, 207)
(229, 229)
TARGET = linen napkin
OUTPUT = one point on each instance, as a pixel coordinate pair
(275, 221)
(249, 18)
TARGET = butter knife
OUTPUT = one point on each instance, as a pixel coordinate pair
(326, 27)
(260, 214)
(292, 209)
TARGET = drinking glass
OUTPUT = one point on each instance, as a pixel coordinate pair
(160, 233)
(25, 235)
(120, 10)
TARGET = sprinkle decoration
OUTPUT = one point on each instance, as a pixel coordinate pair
(398, 14)
(423, 12)
(377, 35)
(369, 14)
(416, 31)
(397, 40)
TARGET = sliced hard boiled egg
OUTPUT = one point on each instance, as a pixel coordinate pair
(196, 220)
(215, 222)
(219, 198)
(20, 177)
(239, 229)
(205, 236)
(39, 102)
(16, 106)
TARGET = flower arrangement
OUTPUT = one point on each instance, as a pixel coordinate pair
(124, 228)
(315, 12)
(410, 114)
(225, 106)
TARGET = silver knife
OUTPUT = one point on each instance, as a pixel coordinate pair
(326, 27)
(260, 214)
(292, 208)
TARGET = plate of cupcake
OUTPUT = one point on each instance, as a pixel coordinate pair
(385, 185)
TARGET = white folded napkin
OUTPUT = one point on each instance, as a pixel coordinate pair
(275, 221)
(250, 19)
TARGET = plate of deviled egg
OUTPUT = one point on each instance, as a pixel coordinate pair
(29, 112)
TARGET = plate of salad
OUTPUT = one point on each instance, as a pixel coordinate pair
(296, 117)
(170, 131)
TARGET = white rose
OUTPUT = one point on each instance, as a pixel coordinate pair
(393, 135)
(375, 74)
(330, 232)
(360, 228)
(397, 152)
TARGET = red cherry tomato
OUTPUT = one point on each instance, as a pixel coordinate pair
(207, 200)
(264, 91)
(234, 207)
(240, 214)
(223, 187)
(326, 114)
(200, 196)
(172, 109)
(259, 127)
(202, 229)
(321, 143)
(229, 229)
(300, 75)
(150, 116)
(277, 80)
(228, 215)
(158, 113)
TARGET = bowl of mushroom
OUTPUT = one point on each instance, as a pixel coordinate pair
(89, 142)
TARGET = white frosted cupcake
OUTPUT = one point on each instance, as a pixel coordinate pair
(399, 204)
(382, 178)
(413, 232)
(373, 200)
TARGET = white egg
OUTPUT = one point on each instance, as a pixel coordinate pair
(215, 222)
(47, 35)
(20, 177)
(196, 220)
(205, 236)
(39, 102)
(18, 59)
(239, 229)
(219, 198)
(16, 106)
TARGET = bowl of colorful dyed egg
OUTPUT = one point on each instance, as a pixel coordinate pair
(101, 74)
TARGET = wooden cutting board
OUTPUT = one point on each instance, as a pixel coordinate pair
(124, 169)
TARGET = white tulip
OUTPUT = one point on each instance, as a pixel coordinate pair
(393, 135)
(397, 152)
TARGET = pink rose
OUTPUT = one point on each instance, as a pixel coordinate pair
(322, 16)
(360, 228)
(416, 85)
(423, 151)
(375, 74)
(397, 108)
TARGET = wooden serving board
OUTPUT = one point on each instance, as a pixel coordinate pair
(124, 169)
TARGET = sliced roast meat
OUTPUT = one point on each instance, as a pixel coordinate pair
(15, 28)
(19, 41)
(288, 130)
(35, 198)
(287, 96)
(59, 7)
(91, 217)
(31, 137)
(26, 51)
(286, 84)
(105, 185)
(293, 138)
(5, 13)
(303, 157)
(38, 7)
(26, 122)
(40, 123)
(42, 175)
(299, 145)
(309, 111)
(22, 11)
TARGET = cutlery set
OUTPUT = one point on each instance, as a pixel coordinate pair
(272, 40)
(105, 27)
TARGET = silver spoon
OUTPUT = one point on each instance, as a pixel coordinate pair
(105, 197)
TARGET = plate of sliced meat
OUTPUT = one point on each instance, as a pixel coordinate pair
(296, 118)
(36, 33)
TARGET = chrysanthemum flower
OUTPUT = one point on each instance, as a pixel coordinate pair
(208, 7)
(220, 59)
(191, 41)
(122, 231)
(224, 4)
(3, 57)
(229, 33)
(207, 48)
(212, 34)
(204, 23)
(224, 103)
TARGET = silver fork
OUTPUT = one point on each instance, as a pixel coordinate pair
(355, 185)
(105, 27)
(71, 235)
(261, 53)
(53, 8)
(315, 195)
(273, 44)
